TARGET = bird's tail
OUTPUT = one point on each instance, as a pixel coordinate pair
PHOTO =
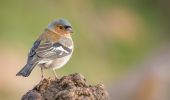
(26, 70)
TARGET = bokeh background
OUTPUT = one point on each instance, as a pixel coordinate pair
(123, 44)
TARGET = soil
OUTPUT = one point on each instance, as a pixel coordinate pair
(71, 87)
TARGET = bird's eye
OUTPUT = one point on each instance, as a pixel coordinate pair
(60, 27)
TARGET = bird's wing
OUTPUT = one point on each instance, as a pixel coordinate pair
(49, 50)
(31, 55)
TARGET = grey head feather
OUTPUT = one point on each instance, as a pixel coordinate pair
(62, 21)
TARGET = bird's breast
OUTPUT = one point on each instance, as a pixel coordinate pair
(60, 62)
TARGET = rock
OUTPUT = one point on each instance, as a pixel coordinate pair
(71, 87)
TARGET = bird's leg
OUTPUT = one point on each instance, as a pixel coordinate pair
(42, 74)
(55, 73)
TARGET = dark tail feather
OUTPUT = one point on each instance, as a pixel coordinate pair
(26, 70)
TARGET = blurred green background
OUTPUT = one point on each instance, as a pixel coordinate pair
(110, 37)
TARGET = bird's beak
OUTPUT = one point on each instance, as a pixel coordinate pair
(70, 30)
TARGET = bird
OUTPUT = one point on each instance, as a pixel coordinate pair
(52, 49)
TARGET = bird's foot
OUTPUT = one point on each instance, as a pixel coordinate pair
(56, 77)
(42, 77)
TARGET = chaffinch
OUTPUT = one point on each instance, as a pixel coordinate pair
(52, 49)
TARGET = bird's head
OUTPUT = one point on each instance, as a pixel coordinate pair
(61, 26)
